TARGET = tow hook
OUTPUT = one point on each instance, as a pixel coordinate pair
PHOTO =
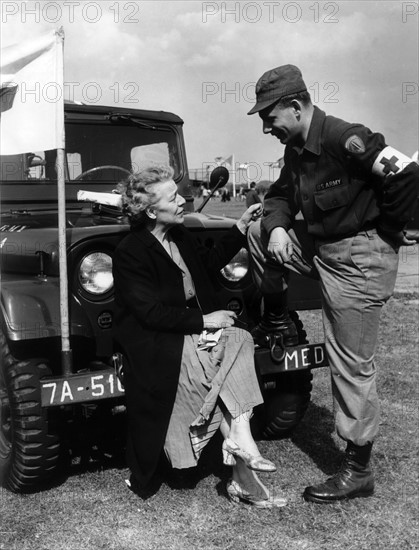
(276, 345)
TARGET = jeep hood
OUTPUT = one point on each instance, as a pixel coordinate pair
(24, 235)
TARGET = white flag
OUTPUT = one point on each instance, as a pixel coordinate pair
(228, 162)
(32, 95)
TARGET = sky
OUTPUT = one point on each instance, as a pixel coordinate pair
(201, 60)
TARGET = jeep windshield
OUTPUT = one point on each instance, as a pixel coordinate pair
(99, 151)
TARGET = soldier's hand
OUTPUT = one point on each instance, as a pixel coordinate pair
(412, 236)
(219, 319)
(280, 245)
(401, 238)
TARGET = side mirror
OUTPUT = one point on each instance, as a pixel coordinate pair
(218, 178)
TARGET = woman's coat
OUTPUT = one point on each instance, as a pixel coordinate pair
(151, 319)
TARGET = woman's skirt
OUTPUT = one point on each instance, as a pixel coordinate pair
(225, 373)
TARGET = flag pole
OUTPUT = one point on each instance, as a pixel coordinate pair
(233, 173)
(66, 353)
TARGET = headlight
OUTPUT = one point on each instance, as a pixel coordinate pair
(95, 273)
(238, 267)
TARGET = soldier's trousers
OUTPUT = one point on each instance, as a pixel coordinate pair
(357, 276)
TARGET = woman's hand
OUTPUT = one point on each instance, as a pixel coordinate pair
(219, 319)
(252, 213)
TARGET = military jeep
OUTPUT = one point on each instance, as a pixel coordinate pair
(39, 397)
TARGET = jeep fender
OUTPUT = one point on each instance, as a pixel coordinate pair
(30, 309)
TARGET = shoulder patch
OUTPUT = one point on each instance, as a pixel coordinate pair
(354, 144)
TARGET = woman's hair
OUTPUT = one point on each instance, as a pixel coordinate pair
(139, 191)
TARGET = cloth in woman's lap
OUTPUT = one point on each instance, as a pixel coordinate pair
(225, 372)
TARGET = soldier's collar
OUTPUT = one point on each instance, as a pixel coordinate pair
(313, 143)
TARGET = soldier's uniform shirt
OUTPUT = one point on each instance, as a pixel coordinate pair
(343, 180)
(350, 187)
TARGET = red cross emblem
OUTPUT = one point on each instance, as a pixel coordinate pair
(390, 165)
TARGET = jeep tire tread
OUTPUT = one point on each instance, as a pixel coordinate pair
(28, 451)
(286, 403)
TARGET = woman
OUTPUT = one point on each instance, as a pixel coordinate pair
(179, 388)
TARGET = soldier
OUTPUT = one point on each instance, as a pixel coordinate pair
(356, 195)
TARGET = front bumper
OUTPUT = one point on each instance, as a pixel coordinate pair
(101, 384)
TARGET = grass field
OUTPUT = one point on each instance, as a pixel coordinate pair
(231, 209)
(91, 509)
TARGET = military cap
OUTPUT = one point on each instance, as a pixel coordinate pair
(275, 84)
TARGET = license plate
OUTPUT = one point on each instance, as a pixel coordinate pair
(78, 388)
(309, 356)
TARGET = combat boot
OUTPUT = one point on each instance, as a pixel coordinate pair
(354, 479)
(275, 321)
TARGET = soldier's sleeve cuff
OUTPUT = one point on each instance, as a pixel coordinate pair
(390, 228)
(270, 225)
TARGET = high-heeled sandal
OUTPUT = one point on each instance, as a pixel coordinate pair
(238, 494)
(257, 463)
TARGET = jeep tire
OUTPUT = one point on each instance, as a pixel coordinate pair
(286, 398)
(29, 452)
